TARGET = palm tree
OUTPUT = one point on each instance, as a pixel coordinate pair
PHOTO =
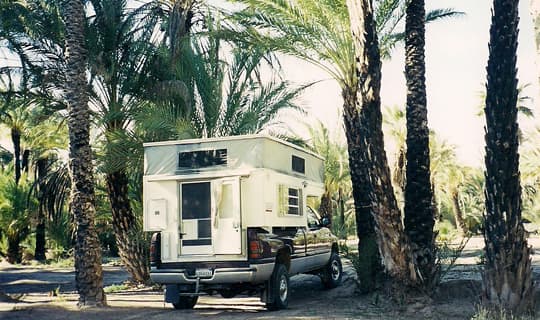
(336, 170)
(419, 211)
(16, 210)
(508, 274)
(319, 32)
(88, 271)
(46, 138)
(120, 42)
(370, 161)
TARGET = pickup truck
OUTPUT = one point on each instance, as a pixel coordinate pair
(234, 215)
(272, 258)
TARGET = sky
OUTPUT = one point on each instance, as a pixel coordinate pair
(456, 60)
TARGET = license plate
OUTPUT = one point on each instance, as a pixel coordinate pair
(203, 273)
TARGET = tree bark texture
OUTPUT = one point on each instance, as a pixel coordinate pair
(16, 140)
(131, 245)
(88, 270)
(14, 252)
(341, 206)
(419, 211)
(179, 25)
(325, 208)
(460, 217)
(508, 275)
(370, 163)
(39, 253)
(369, 260)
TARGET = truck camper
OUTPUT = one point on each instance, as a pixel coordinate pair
(231, 215)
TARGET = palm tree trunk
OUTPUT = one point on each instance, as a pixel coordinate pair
(325, 208)
(369, 260)
(419, 211)
(16, 139)
(370, 161)
(508, 275)
(88, 271)
(460, 220)
(131, 246)
(14, 250)
(25, 161)
(341, 203)
(39, 253)
(180, 23)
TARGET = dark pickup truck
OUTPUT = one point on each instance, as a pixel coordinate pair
(271, 258)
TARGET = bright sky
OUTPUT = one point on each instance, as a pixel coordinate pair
(456, 60)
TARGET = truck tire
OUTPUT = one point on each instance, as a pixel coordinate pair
(332, 272)
(186, 302)
(279, 288)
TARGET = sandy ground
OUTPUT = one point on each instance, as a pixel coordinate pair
(457, 297)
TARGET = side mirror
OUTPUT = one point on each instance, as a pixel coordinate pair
(325, 222)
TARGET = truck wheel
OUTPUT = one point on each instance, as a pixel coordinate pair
(186, 302)
(279, 288)
(332, 272)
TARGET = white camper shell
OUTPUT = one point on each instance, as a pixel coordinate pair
(201, 195)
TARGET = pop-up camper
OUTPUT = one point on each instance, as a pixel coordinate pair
(231, 215)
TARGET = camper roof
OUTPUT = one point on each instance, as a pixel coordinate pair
(248, 152)
(229, 138)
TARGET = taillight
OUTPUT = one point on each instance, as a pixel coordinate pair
(155, 250)
(255, 249)
(255, 245)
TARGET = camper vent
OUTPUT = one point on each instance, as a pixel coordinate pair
(202, 159)
(298, 164)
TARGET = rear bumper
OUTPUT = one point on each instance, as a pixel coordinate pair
(252, 274)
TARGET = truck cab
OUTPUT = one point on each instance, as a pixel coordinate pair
(231, 215)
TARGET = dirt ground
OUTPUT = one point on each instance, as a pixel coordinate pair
(33, 287)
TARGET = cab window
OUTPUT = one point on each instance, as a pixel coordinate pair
(312, 218)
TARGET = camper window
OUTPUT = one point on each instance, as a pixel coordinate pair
(298, 165)
(202, 159)
(290, 200)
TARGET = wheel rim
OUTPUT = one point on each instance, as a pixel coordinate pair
(334, 269)
(283, 288)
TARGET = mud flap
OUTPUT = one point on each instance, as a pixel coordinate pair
(172, 293)
(266, 293)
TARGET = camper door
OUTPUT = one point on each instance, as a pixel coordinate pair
(226, 230)
(195, 218)
(210, 217)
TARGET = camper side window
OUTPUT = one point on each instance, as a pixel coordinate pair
(290, 200)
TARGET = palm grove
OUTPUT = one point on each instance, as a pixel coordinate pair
(98, 78)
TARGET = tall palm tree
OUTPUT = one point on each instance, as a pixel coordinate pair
(370, 163)
(419, 211)
(120, 41)
(88, 271)
(319, 32)
(508, 274)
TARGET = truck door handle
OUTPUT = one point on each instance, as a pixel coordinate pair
(181, 234)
